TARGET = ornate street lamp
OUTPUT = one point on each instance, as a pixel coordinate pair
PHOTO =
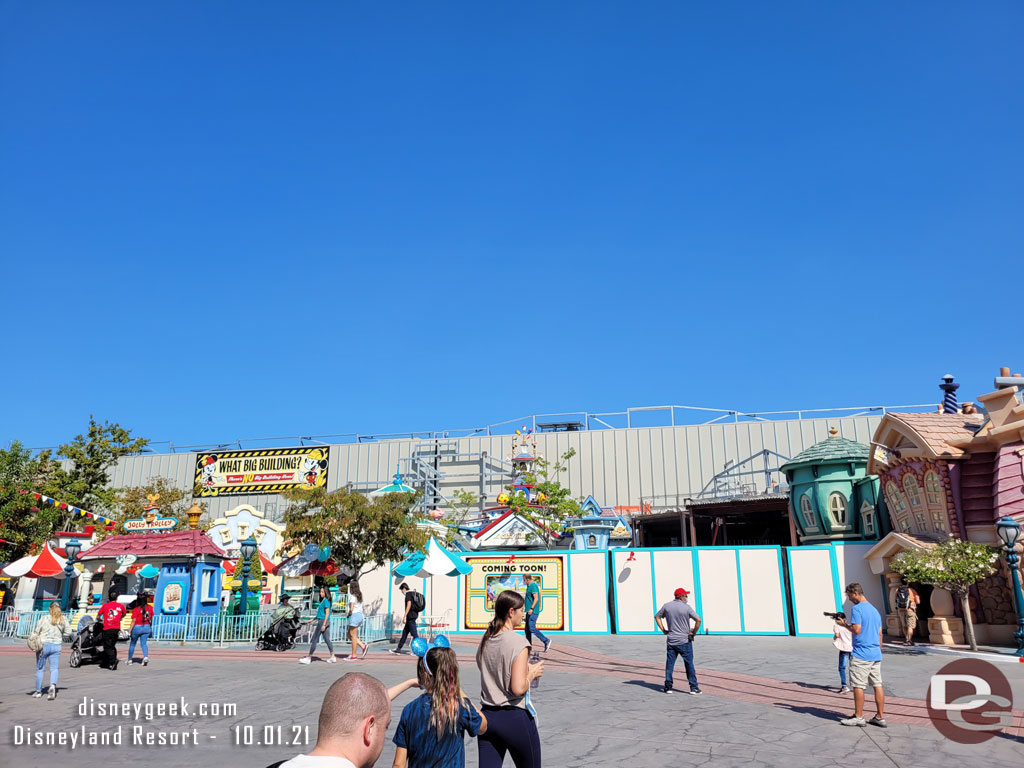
(248, 548)
(72, 548)
(194, 513)
(1009, 531)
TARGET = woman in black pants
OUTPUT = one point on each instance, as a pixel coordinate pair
(505, 676)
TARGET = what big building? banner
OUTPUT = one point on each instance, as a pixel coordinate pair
(228, 473)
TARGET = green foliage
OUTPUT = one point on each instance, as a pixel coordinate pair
(954, 565)
(554, 515)
(25, 523)
(84, 483)
(461, 506)
(362, 533)
(92, 455)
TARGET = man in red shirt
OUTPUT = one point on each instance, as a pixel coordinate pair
(111, 613)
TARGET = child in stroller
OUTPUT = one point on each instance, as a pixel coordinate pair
(87, 644)
(284, 624)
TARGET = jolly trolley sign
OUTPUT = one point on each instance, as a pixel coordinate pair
(231, 473)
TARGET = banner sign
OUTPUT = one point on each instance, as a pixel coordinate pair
(493, 575)
(228, 473)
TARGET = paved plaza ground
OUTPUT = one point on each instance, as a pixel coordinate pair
(768, 701)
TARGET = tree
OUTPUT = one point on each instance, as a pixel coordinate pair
(91, 456)
(462, 504)
(555, 509)
(130, 504)
(25, 523)
(954, 565)
(362, 533)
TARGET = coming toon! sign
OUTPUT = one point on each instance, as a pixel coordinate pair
(273, 470)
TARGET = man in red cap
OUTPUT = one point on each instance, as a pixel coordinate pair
(674, 620)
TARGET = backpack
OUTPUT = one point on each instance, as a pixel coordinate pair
(903, 596)
(419, 602)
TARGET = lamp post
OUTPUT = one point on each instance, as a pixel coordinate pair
(248, 548)
(72, 548)
(1009, 531)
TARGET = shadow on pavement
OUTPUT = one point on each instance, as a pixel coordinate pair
(659, 687)
(825, 714)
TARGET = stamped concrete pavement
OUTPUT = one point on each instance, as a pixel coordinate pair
(768, 701)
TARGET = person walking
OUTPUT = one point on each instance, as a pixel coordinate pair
(321, 627)
(432, 728)
(355, 620)
(505, 677)
(865, 624)
(674, 620)
(142, 627)
(843, 641)
(110, 613)
(50, 631)
(533, 606)
(907, 601)
(413, 606)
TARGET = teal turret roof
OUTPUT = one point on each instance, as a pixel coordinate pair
(833, 449)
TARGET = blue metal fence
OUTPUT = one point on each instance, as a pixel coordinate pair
(214, 628)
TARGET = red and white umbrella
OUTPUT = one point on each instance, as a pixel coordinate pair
(46, 564)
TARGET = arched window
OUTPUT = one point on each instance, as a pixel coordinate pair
(592, 540)
(867, 515)
(933, 489)
(913, 490)
(837, 508)
(895, 498)
(807, 512)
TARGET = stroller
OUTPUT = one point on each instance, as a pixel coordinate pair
(280, 636)
(87, 644)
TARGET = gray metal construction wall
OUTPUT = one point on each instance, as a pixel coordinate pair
(618, 467)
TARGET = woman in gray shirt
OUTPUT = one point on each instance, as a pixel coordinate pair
(505, 676)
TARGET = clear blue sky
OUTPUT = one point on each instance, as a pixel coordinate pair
(236, 219)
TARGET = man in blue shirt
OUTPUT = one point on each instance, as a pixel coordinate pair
(865, 624)
(533, 605)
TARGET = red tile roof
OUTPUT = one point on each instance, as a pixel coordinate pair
(938, 430)
(176, 544)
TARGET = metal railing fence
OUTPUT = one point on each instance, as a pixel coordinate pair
(213, 627)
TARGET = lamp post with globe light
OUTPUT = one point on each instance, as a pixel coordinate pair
(72, 548)
(248, 548)
(1009, 532)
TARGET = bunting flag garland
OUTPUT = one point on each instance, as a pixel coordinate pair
(78, 513)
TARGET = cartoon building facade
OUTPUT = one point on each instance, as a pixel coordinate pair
(832, 498)
(953, 473)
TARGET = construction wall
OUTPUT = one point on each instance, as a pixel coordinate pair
(735, 590)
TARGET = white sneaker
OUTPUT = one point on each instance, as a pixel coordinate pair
(52, 693)
(305, 660)
(37, 695)
(331, 660)
(547, 646)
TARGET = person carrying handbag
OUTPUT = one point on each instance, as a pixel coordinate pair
(46, 639)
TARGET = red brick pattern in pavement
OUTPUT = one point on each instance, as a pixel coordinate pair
(765, 691)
